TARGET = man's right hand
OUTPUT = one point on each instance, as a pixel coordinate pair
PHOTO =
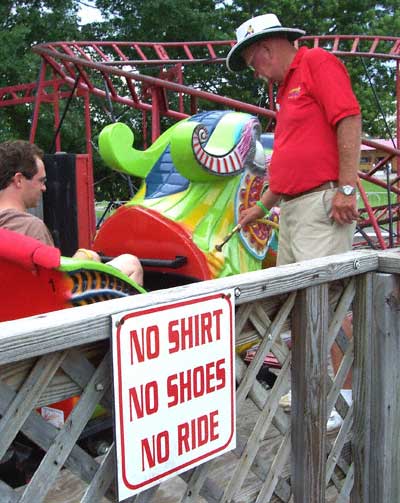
(249, 215)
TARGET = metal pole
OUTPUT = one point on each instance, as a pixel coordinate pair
(56, 107)
(37, 102)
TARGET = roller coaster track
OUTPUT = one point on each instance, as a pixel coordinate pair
(119, 63)
(114, 71)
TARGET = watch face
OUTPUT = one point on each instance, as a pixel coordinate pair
(347, 190)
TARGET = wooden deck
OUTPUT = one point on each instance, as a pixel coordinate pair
(279, 457)
(69, 489)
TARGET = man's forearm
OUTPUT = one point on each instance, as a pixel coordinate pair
(348, 141)
(269, 199)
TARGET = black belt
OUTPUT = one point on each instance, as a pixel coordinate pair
(324, 186)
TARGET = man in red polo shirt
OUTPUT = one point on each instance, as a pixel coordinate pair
(313, 170)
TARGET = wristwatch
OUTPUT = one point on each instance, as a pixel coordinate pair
(347, 190)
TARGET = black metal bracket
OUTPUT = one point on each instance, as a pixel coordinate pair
(176, 263)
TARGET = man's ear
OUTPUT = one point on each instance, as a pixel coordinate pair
(17, 179)
(267, 48)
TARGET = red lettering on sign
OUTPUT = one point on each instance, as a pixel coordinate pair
(198, 382)
(194, 383)
(195, 330)
(220, 373)
(206, 325)
(146, 402)
(197, 432)
(146, 345)
(217, 315)
(157, 452)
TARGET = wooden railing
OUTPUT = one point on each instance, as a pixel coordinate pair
(278, 456)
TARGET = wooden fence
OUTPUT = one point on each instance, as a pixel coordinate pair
(279, 457)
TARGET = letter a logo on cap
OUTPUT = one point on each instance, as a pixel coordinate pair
(250, 30)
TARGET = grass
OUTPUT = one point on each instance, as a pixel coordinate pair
(377, 196)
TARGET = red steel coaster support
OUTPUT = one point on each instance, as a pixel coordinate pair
(398, 134)
(38, 101)
(56, 108)
(119, 64)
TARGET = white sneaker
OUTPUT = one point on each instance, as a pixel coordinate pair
(286, 401)
(334, 421)
(347, 394)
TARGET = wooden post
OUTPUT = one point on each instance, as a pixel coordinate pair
(309, 367)
(362, 330)
(378, 459)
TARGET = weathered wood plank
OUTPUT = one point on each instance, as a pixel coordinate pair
(260, 481)
(59, 388)
(389, 261)
(102, 479)
(241, 317)
(384, 477)
(81, 370)
(26, 399)
(7, 494)
(61, 385)
(363, 357)
(338, 444)
(51, 332)
(59, 451)
(259, 395)
(340, 312)
(263, 349)
(253, 444)
(272, 479)
(43, 434)
(145, 496)
(195, 483)
(344, 496)
(309, 366)
(340, 378)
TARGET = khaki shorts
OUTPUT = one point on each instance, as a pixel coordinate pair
(306, 231)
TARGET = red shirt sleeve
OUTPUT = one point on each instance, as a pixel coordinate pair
(330, 85)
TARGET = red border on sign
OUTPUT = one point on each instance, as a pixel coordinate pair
(158, 309)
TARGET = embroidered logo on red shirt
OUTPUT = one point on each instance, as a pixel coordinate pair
(294, 93)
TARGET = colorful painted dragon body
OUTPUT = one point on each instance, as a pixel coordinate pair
(196, 177)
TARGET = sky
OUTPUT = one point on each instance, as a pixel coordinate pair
(89, 14)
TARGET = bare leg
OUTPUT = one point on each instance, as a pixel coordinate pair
(129, 265)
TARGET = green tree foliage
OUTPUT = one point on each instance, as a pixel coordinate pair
(169, 20)
(22, 25)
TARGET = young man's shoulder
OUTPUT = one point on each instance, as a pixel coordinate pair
(13, 213)
(25, 223)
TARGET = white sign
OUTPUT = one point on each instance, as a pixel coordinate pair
(174, 388)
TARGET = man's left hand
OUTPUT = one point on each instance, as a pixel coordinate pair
(344, 208)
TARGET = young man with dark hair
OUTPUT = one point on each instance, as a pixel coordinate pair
(22, 182)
